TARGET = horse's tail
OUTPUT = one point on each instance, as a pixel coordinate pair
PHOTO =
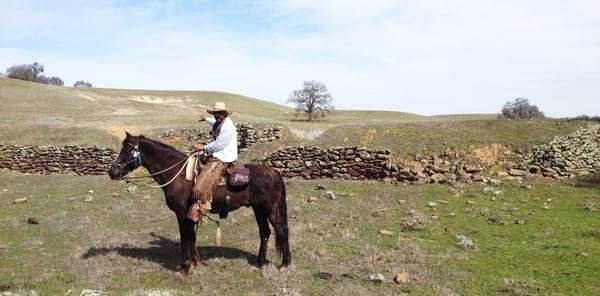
(282, 242)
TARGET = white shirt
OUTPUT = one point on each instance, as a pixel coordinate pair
(225, 146)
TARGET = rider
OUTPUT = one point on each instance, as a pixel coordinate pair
(220, 152)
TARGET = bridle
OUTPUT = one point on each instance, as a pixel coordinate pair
(137, 161)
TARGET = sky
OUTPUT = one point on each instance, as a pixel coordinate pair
(426, 56)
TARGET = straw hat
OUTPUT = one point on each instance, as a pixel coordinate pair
(219, 107)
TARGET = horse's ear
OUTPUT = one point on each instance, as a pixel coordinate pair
(141, 137)
(127, 135)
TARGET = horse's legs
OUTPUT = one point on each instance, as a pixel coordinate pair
(187, 243)
(265, 232)
(281, 237)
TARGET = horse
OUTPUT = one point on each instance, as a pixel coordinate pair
(265, 194)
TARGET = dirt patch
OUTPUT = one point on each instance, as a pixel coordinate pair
(125, 111)
(368, 137)
(308, 134)
(490, 154)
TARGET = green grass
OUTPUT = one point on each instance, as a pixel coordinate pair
(124, 243)
(423, 138)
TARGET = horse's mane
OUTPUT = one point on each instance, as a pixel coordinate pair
(163, 149)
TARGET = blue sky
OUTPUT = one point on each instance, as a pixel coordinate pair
(427, 56)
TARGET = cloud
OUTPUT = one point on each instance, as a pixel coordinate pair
(428, 57)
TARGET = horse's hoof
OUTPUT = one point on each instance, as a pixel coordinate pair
(184, 270)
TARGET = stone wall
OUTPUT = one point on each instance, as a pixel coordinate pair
(66, 159)
(339, 162)
(448, 166)
(247, 135)
(564, 157)
(370, 164)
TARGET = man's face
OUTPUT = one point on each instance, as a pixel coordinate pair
(220, 115)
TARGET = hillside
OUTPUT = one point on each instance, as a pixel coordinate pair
(38, 114)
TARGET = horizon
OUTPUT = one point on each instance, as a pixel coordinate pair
(425, 58)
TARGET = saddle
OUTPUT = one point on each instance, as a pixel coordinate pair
(237, 176)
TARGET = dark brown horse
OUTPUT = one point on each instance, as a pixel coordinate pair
(265, 194)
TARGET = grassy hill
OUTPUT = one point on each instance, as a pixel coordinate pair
(39, 114)
(77, 113)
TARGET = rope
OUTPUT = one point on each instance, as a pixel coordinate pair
(154, 174)
(176, 175)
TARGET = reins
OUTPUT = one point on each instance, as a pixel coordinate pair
(137, 159)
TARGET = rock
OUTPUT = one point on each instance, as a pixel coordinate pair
(465, 243)
(88, 198)
(312, 199)
(488, 189)
(401, 278)
(472, 169)
(432, 204)
(401, 201)
(20, 200)
(330, 195)
(88, 292)
(5, 190)
(154, 292)
(479, 178)
(146, 196)
(19, 293)
(33, 220)
(376, 278)
(517, 173)
(320, 187)
(386, 232)
(439, 178)
(520, 222)
(494, 182)
(325, 275)
(115, 194)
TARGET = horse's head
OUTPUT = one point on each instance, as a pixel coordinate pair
(129, 158)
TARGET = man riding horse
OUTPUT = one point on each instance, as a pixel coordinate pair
(221, 151)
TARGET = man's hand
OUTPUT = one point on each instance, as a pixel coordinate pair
(203, 115)
(199, 147)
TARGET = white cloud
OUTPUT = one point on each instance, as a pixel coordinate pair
(427, 57)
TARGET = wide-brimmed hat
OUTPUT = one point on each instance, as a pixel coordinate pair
(219, 107)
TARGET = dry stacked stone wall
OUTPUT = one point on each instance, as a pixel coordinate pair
(47, 159)
(447, 167)
(361, 164)
(564, 157)
(347, 163)
(247, 135)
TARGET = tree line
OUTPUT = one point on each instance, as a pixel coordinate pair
(34, 73)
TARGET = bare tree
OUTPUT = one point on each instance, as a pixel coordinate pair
(32, 72)
(520, 108)
(313, 99)
(82, 83)
(56, 81)
(29, 72)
